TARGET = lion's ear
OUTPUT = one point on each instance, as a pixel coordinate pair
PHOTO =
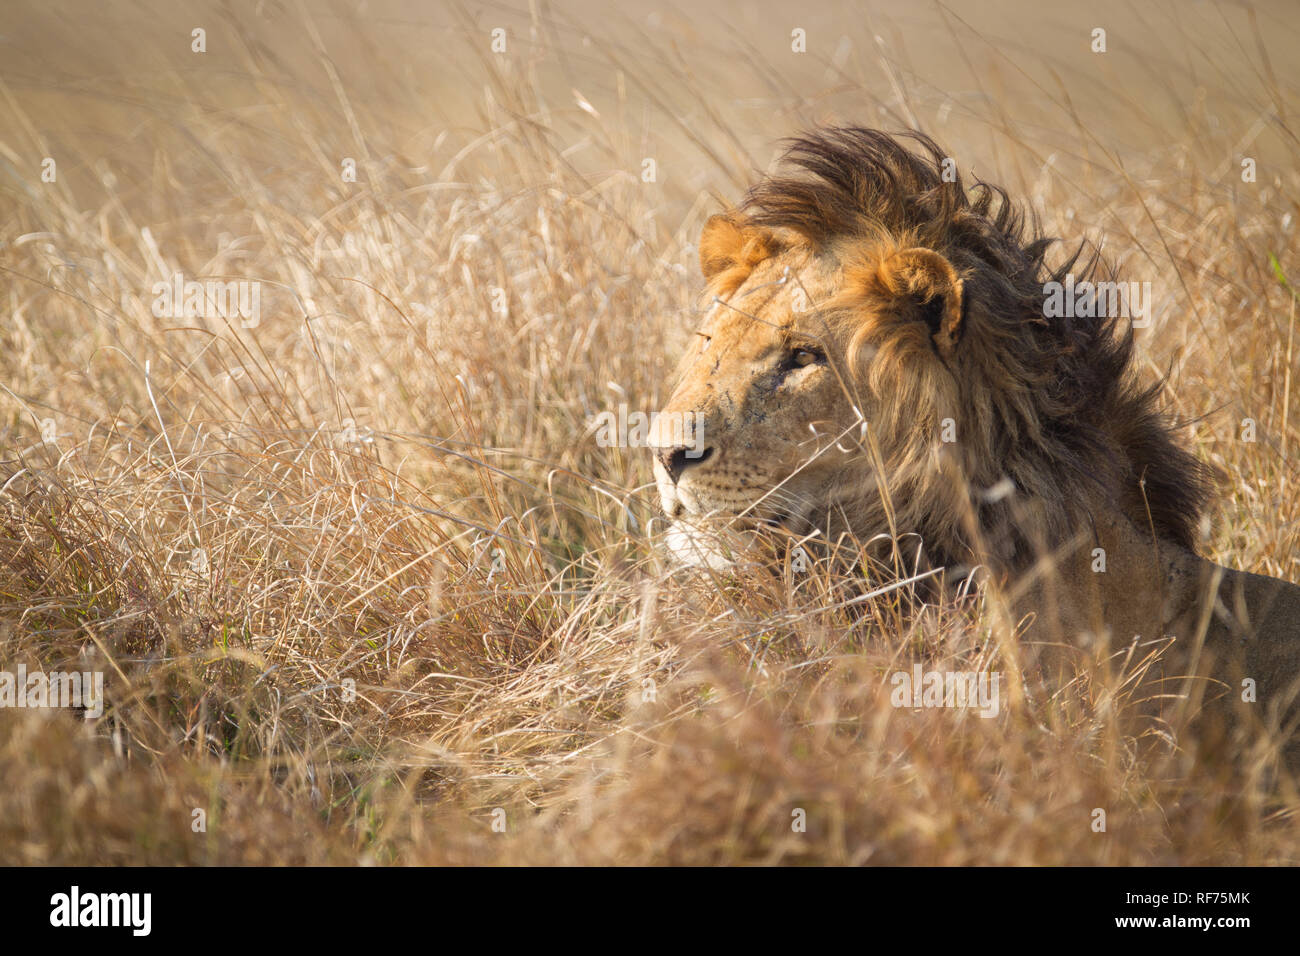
(728, 242)
(926, 287)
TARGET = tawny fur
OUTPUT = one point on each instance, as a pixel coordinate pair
(876, 360)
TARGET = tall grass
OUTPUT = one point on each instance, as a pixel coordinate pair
(363, 584)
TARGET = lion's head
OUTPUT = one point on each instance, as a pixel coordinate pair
(875, 358)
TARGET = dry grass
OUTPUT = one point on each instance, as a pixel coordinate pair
(391, 480)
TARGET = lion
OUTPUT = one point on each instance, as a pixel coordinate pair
(877, 359)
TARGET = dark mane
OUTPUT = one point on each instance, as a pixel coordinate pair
(1066, 400)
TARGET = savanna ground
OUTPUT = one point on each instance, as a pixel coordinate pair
(390, 482)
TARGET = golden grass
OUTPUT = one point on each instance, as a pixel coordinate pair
(392, 481)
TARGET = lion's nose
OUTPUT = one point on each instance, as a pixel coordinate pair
(680, 457)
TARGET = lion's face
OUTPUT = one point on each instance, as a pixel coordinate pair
(768, 424)
(750, 429)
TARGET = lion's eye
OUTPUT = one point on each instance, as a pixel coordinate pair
(802, 358)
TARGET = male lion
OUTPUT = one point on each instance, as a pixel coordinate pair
(878, 359)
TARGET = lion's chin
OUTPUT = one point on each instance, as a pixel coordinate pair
(694, 546)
